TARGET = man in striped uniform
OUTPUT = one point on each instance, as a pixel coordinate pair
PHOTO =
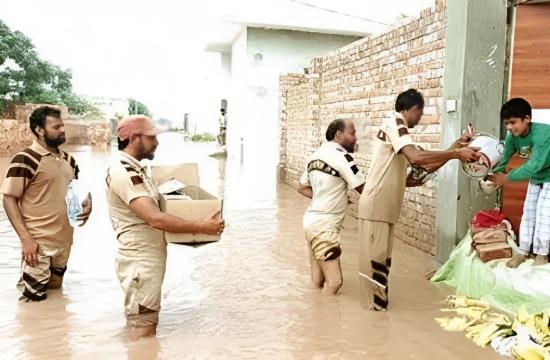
(34, 193)
(380, 204)
(331, 172)
(133, 201)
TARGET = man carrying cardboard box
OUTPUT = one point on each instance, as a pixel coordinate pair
(139, 223)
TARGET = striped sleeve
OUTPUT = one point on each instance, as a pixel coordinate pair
(349, 171)
(20, 173)
(397, 133)
(71, 160)
(126, 183)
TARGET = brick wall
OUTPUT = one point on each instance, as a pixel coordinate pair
(22, 112)
(15, 134)
(360, 82)
(84, 132)
(14, 137)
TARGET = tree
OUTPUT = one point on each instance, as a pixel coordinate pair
(24, 77)
(135, 107)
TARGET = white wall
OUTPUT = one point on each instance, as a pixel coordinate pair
(258, 58)
(256, 69)
(236, 113)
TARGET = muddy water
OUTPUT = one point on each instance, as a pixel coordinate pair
(246, 297)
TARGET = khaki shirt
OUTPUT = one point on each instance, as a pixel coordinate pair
(384, 190)
(40, 179)
(127, 180)
(331, 172)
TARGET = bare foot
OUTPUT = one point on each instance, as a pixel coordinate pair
(541, 260)
(138, 332)
(516, 261)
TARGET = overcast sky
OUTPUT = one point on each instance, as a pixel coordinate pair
(153, 50)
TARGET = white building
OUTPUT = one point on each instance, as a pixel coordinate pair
(253, 56)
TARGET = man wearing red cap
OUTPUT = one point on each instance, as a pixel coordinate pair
(133, 201)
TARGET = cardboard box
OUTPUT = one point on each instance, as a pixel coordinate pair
(201, 204)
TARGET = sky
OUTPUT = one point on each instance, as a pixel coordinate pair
(153, 50)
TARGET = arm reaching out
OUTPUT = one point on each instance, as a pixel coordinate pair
(433, 160)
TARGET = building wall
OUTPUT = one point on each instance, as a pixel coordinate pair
(360, 82)
(15, 133)
(14, 137)
(95, 133)
(259, 57)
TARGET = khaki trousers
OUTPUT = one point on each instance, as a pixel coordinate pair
(47, 274)
(140, 269)
(376, 244)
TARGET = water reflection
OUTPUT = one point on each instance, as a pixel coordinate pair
(36, 327)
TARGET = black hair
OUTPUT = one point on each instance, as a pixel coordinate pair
(122, 143)
(516, 107)
(334, 127)
(408, 99)
(38, 117)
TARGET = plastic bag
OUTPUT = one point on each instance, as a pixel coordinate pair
(74, 198)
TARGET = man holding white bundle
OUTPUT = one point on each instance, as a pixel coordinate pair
(34, 192)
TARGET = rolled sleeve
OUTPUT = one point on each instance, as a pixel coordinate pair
(398, 135)
(14, 186)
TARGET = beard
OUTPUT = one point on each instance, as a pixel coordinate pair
(54, 142)
(147, 154)
(349, 148)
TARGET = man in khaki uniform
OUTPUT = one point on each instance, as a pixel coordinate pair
(133, 201)
(381, 201)
(34, 192)
(330, 173)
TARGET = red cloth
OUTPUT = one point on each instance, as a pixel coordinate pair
(486, 219)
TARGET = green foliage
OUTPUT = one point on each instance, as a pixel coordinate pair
(24, 77)
(204, 137)
(135, 107)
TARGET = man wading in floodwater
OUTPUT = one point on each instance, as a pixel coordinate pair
(381, 201)
(34, 198)
(133, 202)
(330, 173)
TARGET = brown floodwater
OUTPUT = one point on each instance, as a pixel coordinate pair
(245, 297)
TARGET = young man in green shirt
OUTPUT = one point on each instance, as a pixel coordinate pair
(532, 141)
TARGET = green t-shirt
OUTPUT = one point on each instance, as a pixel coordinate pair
(536, 147)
